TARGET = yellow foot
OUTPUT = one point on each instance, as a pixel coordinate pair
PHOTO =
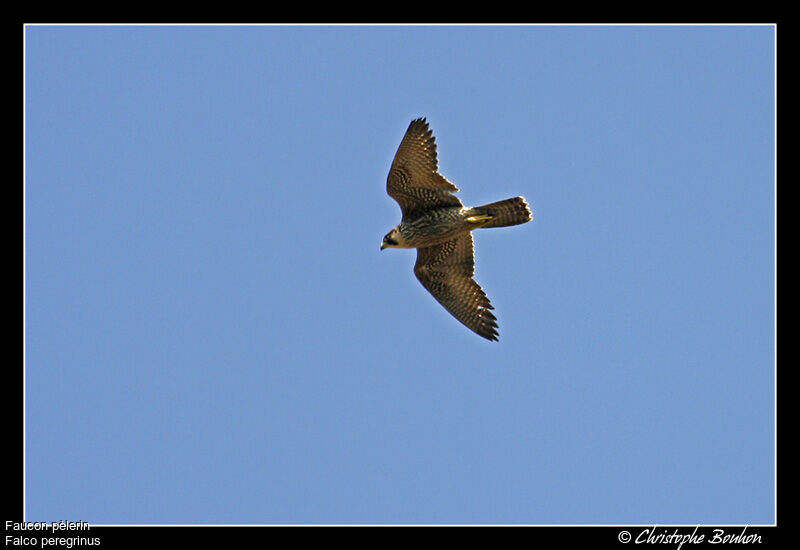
(480, 220)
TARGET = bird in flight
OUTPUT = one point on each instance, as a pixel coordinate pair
(439, 226)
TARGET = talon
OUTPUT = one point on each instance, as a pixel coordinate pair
(479, 220)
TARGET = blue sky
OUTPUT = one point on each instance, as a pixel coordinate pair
(213, 336)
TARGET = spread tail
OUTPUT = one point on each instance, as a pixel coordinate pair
(504, 213)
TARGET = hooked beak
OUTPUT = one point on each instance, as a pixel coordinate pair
(382, 246)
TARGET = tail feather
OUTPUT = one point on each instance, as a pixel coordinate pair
(504, 213)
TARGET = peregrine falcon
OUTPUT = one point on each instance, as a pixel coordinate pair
(439, 226)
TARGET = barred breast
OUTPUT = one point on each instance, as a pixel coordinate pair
(434, 226)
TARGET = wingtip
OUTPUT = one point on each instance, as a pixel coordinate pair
(489, 328)
(421, 121)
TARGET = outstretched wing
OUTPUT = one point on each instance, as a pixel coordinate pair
(414, 181)
(446, 271)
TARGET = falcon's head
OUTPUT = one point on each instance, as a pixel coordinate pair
(393, 239)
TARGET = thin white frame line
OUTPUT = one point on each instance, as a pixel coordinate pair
(301, 24)
(775, 249)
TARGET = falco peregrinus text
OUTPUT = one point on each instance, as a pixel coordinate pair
(439, 227)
